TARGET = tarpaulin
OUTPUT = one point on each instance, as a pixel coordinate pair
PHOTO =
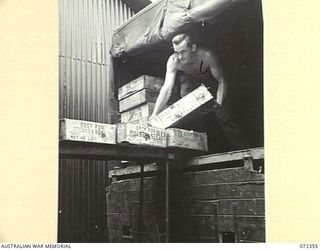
(161, 20)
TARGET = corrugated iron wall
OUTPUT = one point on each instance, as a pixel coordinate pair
(86, 93)
(86, 28)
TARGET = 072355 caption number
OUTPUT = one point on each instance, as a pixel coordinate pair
(313, 246)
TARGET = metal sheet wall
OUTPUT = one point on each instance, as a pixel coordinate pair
(85, 92)
(86, 80)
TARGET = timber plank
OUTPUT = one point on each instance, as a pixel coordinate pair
(134, 184)
(221, 207)
(85, 150)
(254, 153)
(221, 191)
(219, 176)
(133, 170)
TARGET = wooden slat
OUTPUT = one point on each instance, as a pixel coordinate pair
(216, 176)
(222, 207)
(222, 191)
(124, 151)
(79, 150)
(255, 153)
(133, 170)
(134, 184)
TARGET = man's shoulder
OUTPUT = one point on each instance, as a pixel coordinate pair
(206, 53)
(173, 61)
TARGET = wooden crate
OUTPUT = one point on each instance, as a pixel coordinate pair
(137, 99)
(181, 138)
(143, 82)
(85, 131)
(137, 113)
(139, 134)
(178, 111)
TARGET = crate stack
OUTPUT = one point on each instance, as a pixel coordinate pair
(137, 98)
(136, 103)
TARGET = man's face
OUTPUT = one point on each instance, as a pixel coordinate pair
(183, 52)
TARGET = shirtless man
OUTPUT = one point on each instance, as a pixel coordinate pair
(194, 65)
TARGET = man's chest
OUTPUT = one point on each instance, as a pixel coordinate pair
(194, 69)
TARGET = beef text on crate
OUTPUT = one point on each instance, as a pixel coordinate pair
(85, 131)
(140, 134)
(143, 82)
(174, 114)
(188, 139)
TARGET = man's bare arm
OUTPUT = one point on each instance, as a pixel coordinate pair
(166, 89)
(217, 72)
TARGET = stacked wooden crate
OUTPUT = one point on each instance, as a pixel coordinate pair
(137, 98)
(136, 103)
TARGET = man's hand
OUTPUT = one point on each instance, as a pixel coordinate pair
(150, 119)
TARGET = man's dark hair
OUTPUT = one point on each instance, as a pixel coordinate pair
(179, 38)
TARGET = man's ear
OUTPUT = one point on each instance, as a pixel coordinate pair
(194, 47)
